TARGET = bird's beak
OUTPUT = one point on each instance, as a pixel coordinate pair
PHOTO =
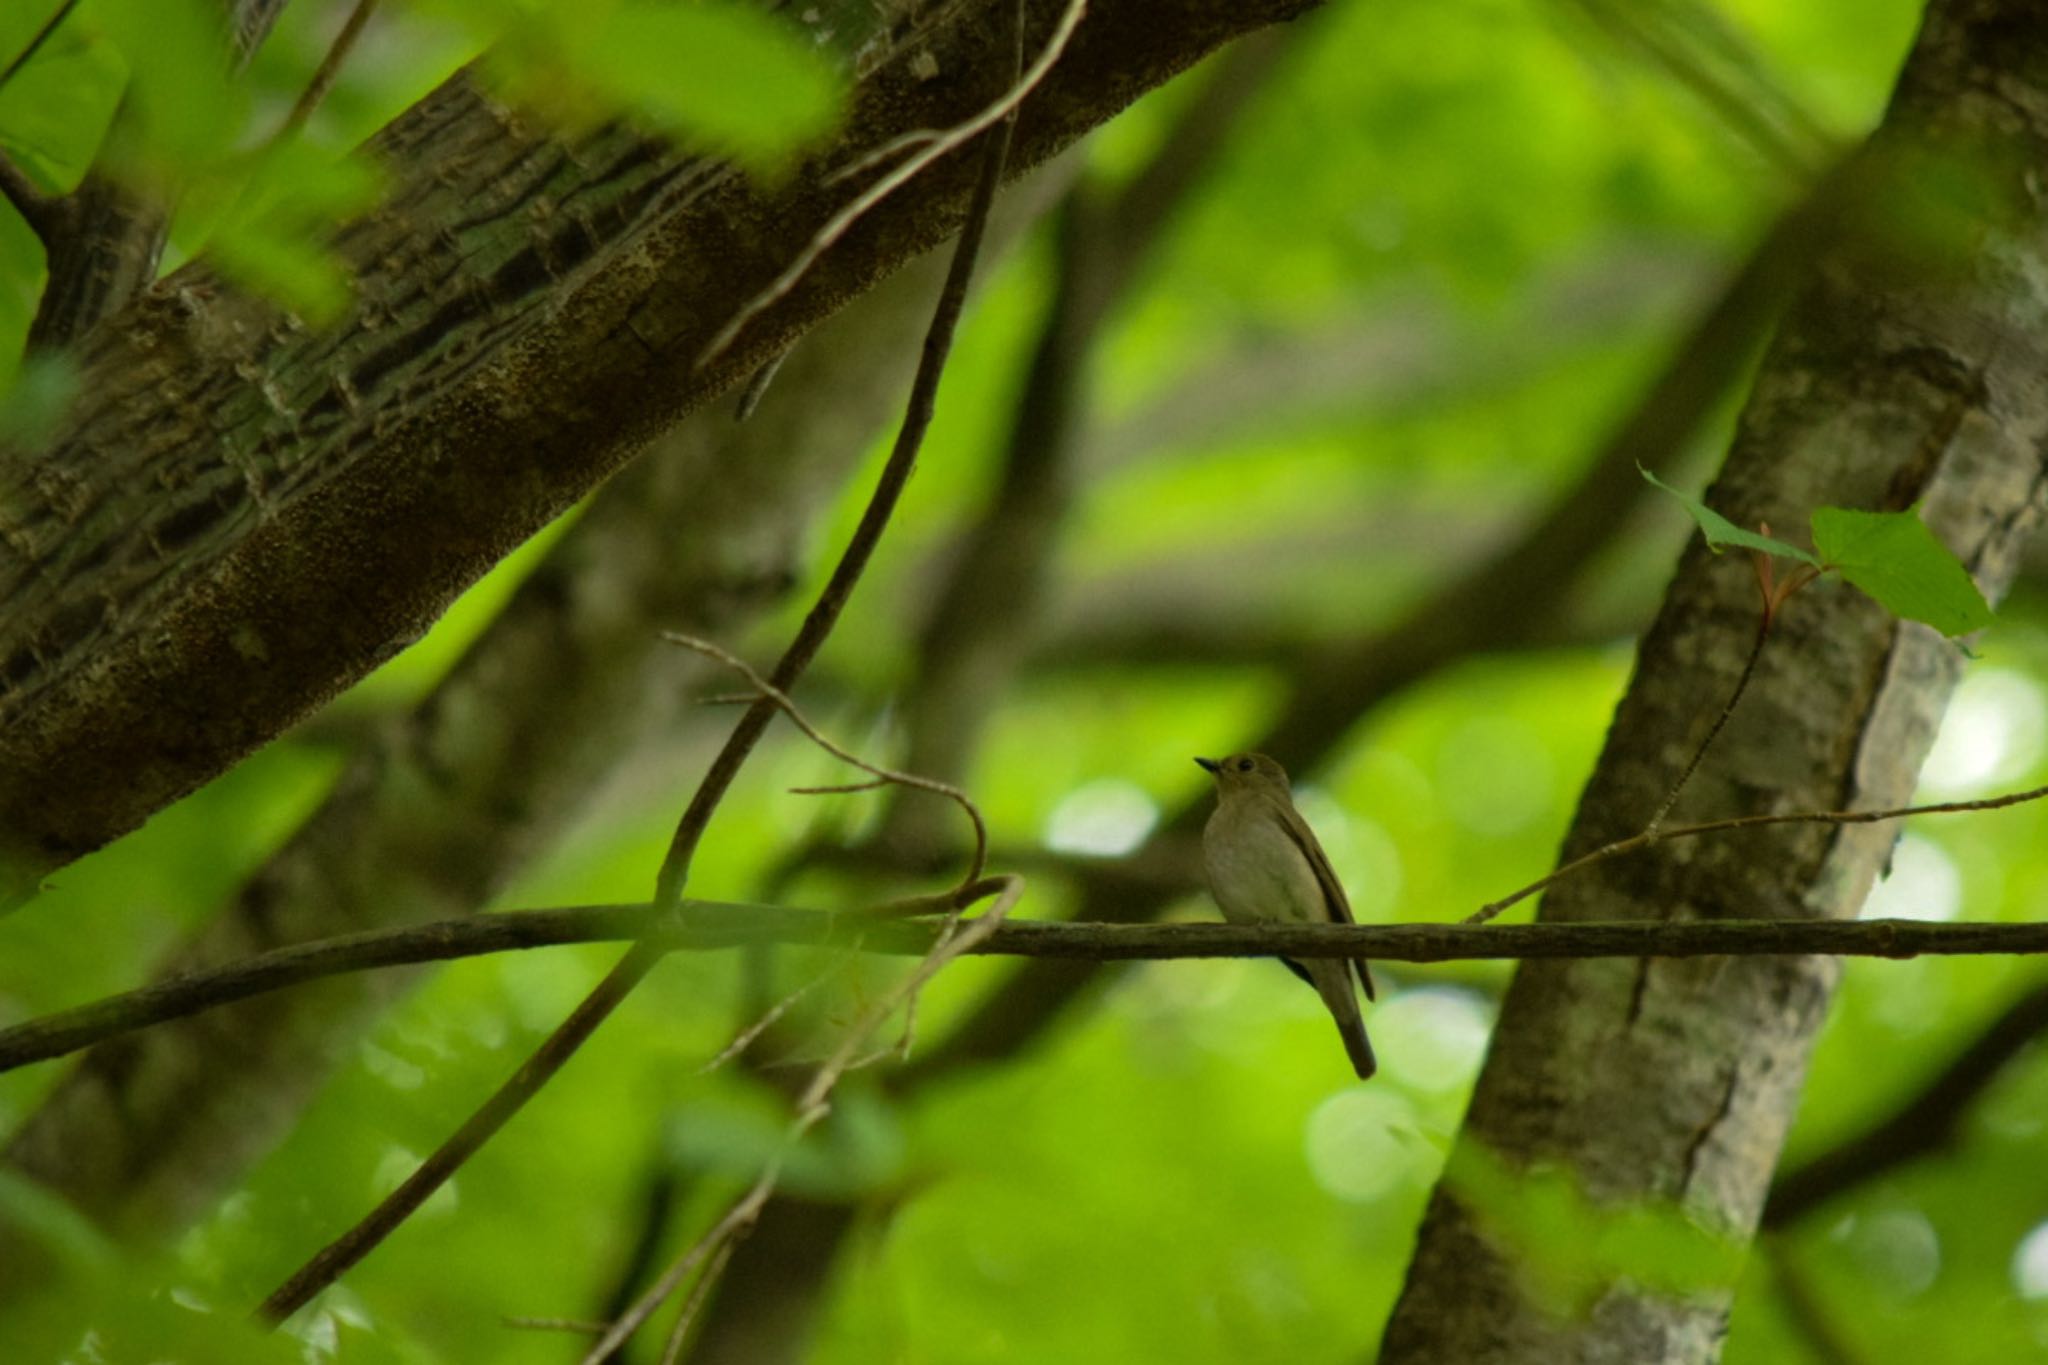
(1209, 765)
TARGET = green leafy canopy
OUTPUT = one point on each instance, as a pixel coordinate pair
(1892, 556)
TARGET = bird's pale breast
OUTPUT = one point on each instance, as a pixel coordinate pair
(1256, 871)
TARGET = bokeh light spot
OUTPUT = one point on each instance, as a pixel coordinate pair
(2030, 1264)
(1924, 884)
(1105, 818)
(1431, 1039)
(1992, 733)
(1363, 1143)
(1898, 1249)
(1495, 775)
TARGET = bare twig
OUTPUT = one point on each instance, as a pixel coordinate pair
(952, 139)
(824, 614)
(977, 861)
(758, 386)
(325, 74)
(1833, 817)
(887, 151)
(1756, 650)
(955, 940)
(687, 1315)
(554, 1053)
(746, 1036)
(705, 926)
(694, 924)
(984, 622)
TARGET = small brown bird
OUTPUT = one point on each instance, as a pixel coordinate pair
(1265, 867)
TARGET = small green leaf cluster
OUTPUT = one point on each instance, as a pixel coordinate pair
(1892, 556)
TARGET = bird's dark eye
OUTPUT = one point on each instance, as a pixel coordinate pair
(1244, 765)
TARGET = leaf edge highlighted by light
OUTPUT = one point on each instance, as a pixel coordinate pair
(1719, 531)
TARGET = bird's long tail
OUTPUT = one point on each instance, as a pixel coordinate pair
(1333, 981)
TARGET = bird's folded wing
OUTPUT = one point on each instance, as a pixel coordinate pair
(1334, 901)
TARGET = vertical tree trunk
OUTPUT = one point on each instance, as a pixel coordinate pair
(1911, 371)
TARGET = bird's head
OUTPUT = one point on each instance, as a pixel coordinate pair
(1245, 772)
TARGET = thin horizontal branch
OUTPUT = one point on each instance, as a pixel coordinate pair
(709, 925)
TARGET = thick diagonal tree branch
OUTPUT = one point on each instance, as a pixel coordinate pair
(253, 514)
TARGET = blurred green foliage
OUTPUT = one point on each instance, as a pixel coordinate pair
(1183, 1170)
(741, 81)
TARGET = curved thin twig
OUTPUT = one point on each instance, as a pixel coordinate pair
(977, 862)
(1756, 650)
(893, 181)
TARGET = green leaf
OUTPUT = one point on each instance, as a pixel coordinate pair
(1896, 559)
(1567, 1249)
(56, 109)
(731, 75)
(746, 83)
(189, 111)
(1720, 531)
(264, 220)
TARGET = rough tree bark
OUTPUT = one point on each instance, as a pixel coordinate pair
(250, 515)
(1902, 374)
